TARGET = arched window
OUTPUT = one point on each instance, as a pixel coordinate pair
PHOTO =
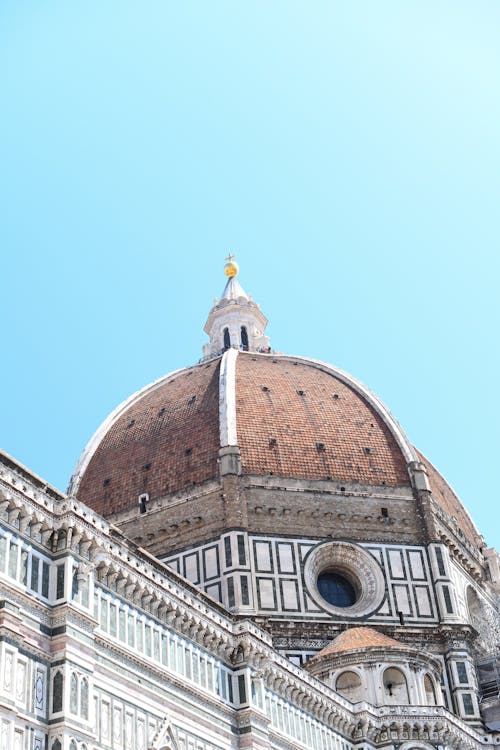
(56, 745)
(57, 693)
(349, 685)
(227, 339)
(395, 687)
(73, 694)
(244, 338)
(73, 745)
(430, 693)
(84, 699)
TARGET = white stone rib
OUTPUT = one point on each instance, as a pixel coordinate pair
(227, 399)
(101, 431)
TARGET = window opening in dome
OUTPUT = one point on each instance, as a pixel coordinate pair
(244, 338)
(336, 589)
(272, 441)
(384, 512)
(106, 482)
(367, 451)
(320, 446)
(301, 393)
(143, 502)
(336, 396)
(265, 389)
(227, 339)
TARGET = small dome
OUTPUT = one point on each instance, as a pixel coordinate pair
(359, 638)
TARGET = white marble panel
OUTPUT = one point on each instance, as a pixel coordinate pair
(285, 556)
(262, 553)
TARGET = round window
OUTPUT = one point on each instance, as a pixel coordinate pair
(344, 579)
(336, 589)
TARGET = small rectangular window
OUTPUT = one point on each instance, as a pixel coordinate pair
(35, 564)
(244, 590)
(242, 558)
(230, 592)
(60, 582)
(203, 671)
(143, 502)
(104, 615)
(462, 672)
(447, 600)
(112, 620)
(468, 704)
(180, 657)
(45, 579)
(187, 662)
(131, 630)
(13, 559)
(3, 548)
(24, 567)
(227, 550)
(440, 561)
(121, 625)
(74, 584)
(140, 636)
(242, 688)
(148, 640)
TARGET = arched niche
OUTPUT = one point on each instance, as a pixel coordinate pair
(430, 691)
(349, 685)
(395, 687)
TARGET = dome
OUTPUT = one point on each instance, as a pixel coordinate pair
(290, 417)
(293, 418)
(268, 415)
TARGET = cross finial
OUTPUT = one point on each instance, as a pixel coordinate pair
(229, 258)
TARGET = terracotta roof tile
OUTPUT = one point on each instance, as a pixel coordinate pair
(167, 440)
(448, 500)
(295, 420)
(355, 638)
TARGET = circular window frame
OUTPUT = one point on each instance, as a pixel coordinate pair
(357, 566)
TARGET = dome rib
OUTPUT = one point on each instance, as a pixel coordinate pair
(227, 399)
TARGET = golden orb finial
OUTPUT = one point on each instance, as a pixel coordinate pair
(231, 268)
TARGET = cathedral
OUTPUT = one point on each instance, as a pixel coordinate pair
(250, 555)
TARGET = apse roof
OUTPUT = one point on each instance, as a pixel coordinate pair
(359, 638)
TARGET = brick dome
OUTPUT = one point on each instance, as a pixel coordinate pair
(285, 416)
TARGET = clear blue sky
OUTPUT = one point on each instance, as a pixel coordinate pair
(347, 152)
